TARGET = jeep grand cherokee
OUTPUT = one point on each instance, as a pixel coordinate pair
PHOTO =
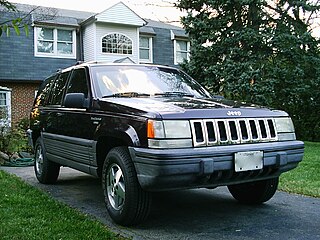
(146, 128)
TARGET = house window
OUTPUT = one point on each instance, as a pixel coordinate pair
(3, 99)
(181, 51)
(116, 43)
(52, 42)
(5, 108)
(145, 49)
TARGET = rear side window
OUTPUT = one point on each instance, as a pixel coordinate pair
(78, 82)
(43, 92)
(58, 89)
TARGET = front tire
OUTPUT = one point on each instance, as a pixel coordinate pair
(127, 203)
(46, 171)
(255, 192)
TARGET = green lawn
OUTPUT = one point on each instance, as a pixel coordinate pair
(305, 179)
(27, 213)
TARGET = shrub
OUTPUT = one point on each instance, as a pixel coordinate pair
(14, 139)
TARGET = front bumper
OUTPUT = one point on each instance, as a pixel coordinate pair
(168, 169)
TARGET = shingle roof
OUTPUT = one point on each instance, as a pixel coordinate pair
(80, 15)
(73, 17)
(156, 24)
(147, 30)
(179, 34)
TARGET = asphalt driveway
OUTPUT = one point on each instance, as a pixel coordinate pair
(192, 214)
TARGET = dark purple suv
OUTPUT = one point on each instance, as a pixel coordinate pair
(146, 128)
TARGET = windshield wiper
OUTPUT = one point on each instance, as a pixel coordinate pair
(173, 94)
(127, 94)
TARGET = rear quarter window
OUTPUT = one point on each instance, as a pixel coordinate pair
(58, 88)
(44, 91)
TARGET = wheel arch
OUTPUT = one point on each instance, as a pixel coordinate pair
(108, 140)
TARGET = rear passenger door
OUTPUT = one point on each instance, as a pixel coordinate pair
(54, 104)
(52, 133)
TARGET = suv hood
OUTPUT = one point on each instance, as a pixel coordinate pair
(190, 108)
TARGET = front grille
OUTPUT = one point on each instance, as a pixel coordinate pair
(209, 132)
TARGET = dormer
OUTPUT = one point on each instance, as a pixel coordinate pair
(112, 34)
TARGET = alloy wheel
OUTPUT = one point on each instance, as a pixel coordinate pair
(116, 187)
(39, 160)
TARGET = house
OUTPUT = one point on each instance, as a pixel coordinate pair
(59, 38)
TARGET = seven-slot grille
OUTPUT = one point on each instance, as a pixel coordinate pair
(208, 132)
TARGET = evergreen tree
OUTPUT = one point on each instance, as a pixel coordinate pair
(258, 51)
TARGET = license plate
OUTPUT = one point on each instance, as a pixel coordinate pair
(245, 161)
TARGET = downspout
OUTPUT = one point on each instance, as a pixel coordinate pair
(81, 44)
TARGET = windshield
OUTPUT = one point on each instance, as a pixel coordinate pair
(144, 80)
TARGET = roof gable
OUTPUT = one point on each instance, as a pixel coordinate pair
(120, 14)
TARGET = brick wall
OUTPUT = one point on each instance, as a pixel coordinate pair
(22, 97)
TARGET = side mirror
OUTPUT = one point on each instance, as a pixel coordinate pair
(74, 100)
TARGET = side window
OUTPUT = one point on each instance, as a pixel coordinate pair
(44, 91)
(78, 82)
(58, 89)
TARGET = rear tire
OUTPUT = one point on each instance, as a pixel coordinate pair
(46, 171)
(254, 192)
(127, 203)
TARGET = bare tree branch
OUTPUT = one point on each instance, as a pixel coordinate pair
(22, 18)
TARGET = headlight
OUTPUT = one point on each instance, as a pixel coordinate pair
(284, 125)
(169, 134)
(285, 129)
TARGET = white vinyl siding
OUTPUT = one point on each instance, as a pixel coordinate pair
(89, 40)
(120, 14)
(103, 29)
(118, 19)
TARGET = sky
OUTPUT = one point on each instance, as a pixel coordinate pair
(159, 10)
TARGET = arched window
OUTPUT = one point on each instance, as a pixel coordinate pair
(116, 43)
